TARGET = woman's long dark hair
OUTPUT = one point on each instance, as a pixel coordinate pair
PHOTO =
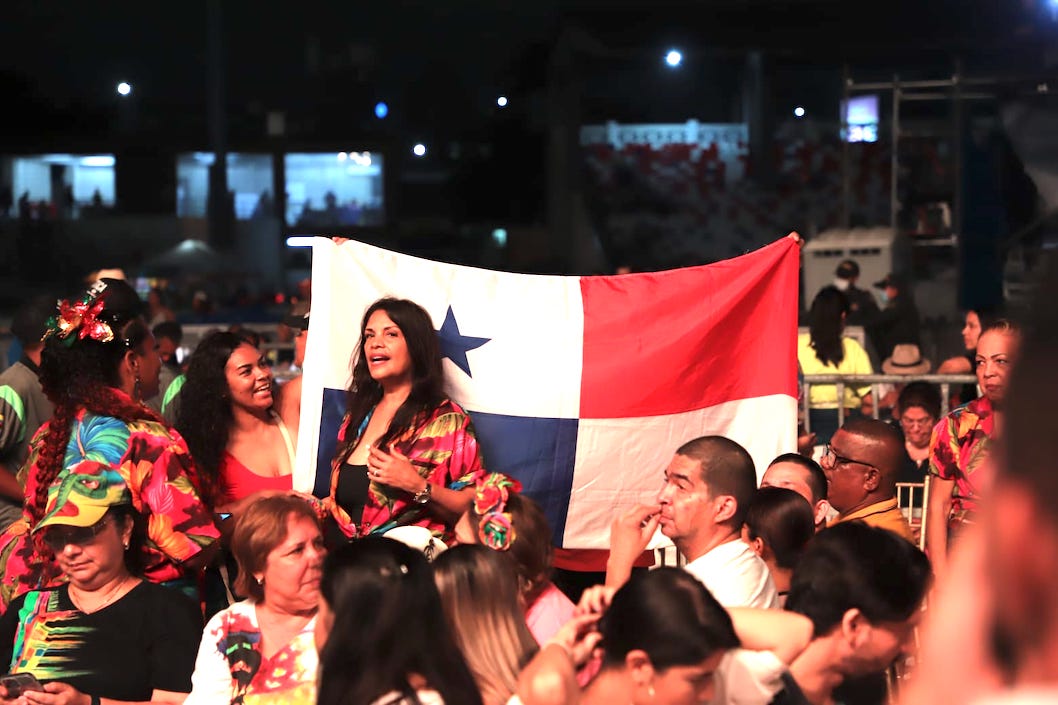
(826, 322)
(668, 614)
(205, 416)
(388, 625)
(427, 386)
(82, 373)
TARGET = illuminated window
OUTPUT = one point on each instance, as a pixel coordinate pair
(69, 185)
(249, 185)
(334, 190)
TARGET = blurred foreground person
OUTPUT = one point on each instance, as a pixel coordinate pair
(862, 587)
(381, 633)
(997, 606)
(482, 603)
(663, 637)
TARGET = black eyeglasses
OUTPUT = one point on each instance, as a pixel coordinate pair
(831, 457)
(59, 537)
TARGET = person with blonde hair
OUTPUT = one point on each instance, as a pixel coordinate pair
(482, 605)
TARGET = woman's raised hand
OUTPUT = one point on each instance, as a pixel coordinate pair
(595, 600)
(393, 469)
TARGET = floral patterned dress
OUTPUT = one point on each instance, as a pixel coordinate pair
(154, 462)
(444, 450)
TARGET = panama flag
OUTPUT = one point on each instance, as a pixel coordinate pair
(580, 387)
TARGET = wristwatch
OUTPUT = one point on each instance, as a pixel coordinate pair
(423, 496)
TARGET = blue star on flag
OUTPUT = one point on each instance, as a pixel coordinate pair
(455, 345)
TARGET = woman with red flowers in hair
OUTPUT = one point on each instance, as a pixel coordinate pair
(407, 455)
(98, 364)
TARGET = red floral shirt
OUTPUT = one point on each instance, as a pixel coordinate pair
(959, 451)
(443, 448)
(155, 464)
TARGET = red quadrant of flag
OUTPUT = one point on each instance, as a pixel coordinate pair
(670, 342)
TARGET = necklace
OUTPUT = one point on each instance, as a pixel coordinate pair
(111, 595)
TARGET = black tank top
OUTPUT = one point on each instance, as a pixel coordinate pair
(351, 492)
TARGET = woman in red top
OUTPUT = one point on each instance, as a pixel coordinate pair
(242, 447)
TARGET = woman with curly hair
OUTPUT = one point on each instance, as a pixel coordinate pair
(406, 455)
(241, 446)
(98, 363)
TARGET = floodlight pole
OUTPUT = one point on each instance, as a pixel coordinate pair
(846, 189)
(220, 209)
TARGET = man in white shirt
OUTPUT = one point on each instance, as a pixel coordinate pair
(708, 486)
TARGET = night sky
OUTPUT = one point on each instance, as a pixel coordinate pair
(440, 62)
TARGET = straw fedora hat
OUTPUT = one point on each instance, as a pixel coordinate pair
(906, 360)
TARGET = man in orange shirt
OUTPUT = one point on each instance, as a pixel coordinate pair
(861, 463)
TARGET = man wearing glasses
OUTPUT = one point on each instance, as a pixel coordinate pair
(861, 463)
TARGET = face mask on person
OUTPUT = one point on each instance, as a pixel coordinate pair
(841, 284)
(883, 297)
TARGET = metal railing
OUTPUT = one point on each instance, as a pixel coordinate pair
(873, 381)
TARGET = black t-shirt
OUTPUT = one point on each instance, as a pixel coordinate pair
(791, 693)
(146, 641)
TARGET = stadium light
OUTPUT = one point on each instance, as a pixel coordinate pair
(674, 58)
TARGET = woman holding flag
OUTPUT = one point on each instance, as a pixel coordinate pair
(407, 455)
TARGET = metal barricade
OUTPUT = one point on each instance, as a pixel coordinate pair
(872, 381)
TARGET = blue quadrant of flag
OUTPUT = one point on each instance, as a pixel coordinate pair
(539, 452)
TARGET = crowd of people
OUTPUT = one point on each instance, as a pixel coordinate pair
(166, 557)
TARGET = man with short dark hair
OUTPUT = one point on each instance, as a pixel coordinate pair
(708, 487)
(23, 406)
(862, 462)
(794, 471)
(862, 587)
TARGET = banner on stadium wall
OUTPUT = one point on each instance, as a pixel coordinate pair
(580, 387)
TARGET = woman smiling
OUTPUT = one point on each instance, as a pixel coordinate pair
(242, 447)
